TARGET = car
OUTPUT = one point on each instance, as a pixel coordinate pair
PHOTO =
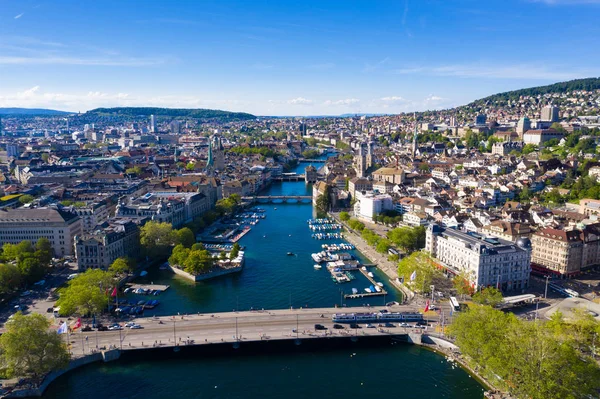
(354, 325)
(135, 327)
(115, 327)
(49, 310)
(370, 325)
(389, 325)
(294, 330)
(383, 311)
(338, 326)
(320, 327)
(130, 323)
(102, 328)
(405, 325)
(422, 323)
(86, 328)
(432, 307)
(419, 326)
(72, 276)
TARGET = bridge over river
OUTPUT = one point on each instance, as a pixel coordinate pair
(233, 327)
(279, 198)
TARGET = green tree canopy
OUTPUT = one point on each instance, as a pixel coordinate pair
(157, 237)
(408, 238)
(25, 199)
(421, 264)
(488, 296)
(198, 262)
(344, 216)
(185, 236)
(87, 294)
(121, 266)
(235, 250)
(29, 348)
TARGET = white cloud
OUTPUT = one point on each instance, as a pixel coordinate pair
(300, 101)
(35, 97)
(516, 71)
(347, 101)
(432, 98)
(19, 16)
(393, 99)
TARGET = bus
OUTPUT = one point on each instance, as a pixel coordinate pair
(454, 305)
(565, 291)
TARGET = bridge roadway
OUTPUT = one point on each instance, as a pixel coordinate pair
(281, 197)
(221, 327)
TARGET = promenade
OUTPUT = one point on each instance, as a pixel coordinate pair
(233, 327)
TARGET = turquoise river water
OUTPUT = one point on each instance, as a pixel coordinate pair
(273, 280)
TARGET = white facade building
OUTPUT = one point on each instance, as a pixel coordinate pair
(488, 262)
(369, 204)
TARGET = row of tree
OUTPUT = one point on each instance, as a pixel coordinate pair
(541, 359)
(23, 264)
(157, 238)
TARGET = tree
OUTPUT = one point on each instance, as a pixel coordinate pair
(10, 278)
(156, 237)
(235, 251)
(25, 199)
(344, 216)
(45, 157)
(87, 294)
(529, 148)
(488, 296)
(198, 262)
(179, 255)
(323, 200)
(186, 237)
(198, 246)
(28, 348)
(136, 170)
(408, 238)
(421, 264)
(383, 246)
(462, 284)
(121, 266)
(43, 249)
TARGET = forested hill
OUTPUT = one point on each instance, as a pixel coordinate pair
(31, 111)
(197, 113)
(561, 87)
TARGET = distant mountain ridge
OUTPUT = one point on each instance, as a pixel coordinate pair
(199, 113)
(32, 111)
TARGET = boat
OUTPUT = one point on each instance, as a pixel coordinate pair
(354, 291)
(380, 284)
(370, 274)
(274, 209)
(317, 258)
(317, 267)
(143, 273)
(368, 290)
(363, 268)
(290, 254)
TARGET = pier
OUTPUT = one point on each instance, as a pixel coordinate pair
(367, 294)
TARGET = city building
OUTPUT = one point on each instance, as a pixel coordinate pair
(153, 124)
(392, 175)
(310, 174)
(359, 184)
(485, 261)
(480, 120)
(550, 113)
(31, 224)
(92, 214)
(119, 238)
(566, 252)
(370, 204)
(540, 136)
(523, 125)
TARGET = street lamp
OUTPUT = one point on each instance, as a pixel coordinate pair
(546, 290)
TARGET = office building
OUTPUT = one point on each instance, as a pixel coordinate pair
(523, 125)
(58, 226)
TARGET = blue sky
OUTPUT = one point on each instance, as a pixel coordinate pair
(289, 57)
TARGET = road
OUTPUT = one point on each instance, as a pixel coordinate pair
(231, 327)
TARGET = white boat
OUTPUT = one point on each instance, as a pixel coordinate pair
(377, 288)
(370, 274)
(143, 273)
(364, 268)
(354, 291)
(316, 257)
(368, 290)
(380, 284)
(317, 267)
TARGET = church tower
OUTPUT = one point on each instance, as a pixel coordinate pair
(218, 153)
(360, 162)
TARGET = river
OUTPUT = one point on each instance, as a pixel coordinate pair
(273, 280)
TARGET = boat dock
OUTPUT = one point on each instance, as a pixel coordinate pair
(153, 287)
(367, 294)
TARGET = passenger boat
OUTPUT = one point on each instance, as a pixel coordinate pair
(317, 267)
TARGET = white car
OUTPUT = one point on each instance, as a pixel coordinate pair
(404, 325)
(115, 328)
(135, 327)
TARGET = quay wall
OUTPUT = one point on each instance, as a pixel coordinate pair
(206, 276)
